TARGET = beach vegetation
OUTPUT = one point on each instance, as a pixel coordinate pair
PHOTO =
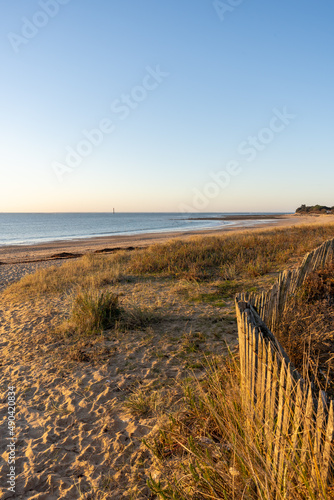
(94, 311)
(134, 317)
(210, 448)
(306, 329)
(142, 402)
(230, 256)
(90, 271)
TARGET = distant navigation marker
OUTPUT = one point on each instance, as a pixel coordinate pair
(113, 210)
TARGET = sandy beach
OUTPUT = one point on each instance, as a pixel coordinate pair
(84, 406)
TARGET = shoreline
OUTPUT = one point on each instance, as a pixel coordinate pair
(67, 249)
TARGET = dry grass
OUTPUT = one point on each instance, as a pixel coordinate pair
(93, 312)
(145, 401)
(212, 449)
(90, 271)
(234, 256)
(227, 258)
(306, 329)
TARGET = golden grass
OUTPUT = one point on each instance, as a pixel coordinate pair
(93, 312)
(90, 271)
(230, 256)
(212, 449)
(240, 256)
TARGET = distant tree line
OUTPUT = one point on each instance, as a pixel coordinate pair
(315, 209)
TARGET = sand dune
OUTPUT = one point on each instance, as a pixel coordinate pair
(77, 434)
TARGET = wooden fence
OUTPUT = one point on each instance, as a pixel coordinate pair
(297, 423)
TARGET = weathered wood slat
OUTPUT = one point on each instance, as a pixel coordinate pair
(249, 369)
(269, 407)
(297, 418)
(286, 420)
(272, 410)
(263, 379)
(253, 371)
(259, 370)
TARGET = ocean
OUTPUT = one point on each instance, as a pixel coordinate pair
(32, 228)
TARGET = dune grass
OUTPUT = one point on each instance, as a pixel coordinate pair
(211, 449)
(306, 329)
(90, 272)
(230, 256)
(94, 311)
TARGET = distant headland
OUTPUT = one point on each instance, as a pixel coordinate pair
(315, 209)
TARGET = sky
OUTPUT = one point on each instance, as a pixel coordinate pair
(166, 106)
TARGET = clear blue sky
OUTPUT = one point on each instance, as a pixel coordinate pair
(212, 107)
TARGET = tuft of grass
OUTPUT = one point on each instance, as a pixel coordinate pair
(94, 311)
(147, 402)
(91, 314)
(229, 271)
(141, 403)
(191, 342)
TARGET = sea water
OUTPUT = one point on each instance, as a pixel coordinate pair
(31, 228)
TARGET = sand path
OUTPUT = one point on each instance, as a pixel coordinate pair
(75, 437)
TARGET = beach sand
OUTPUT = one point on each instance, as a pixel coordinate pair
(76, 436)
